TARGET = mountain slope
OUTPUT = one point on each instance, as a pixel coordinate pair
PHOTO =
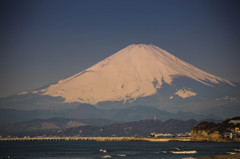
(133, 72)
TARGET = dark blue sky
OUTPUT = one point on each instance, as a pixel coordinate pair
(43, 41)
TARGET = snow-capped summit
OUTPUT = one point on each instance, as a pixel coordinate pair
(138, 70)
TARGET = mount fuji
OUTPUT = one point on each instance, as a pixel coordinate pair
(139, 74)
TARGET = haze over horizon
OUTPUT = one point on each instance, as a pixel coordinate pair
(45, 41)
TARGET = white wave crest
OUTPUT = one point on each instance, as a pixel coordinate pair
(106, 156)
(176, 148)
(184, 152)
(103, 150)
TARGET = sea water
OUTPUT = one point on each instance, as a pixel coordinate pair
(124, 150)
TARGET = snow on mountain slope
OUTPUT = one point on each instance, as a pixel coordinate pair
(184, 93)
(133, 72)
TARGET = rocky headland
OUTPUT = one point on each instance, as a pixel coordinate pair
(227, 131)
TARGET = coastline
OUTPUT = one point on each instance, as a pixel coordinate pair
(228, 156)
(108, 139)
(118, 139)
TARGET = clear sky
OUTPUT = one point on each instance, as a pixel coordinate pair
(43, 41)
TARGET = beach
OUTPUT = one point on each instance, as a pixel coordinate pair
(228, 156)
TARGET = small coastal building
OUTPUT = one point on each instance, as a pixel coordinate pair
(184, 134)
(237, 130)
(161, 135)
(228, 135)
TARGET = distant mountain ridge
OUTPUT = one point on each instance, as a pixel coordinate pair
(85, 111)
(74, 127)
(55, 123)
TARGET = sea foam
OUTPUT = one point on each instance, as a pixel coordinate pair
(106, 156)
(184, 152)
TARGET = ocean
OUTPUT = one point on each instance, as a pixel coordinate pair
(123, 150)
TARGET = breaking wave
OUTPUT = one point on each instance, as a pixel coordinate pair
(106, 156)
(238, 150)
(184, 152)
(103, 150)
(121, 155)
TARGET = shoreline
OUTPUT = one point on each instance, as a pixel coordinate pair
(106, 139)
(227, 156)
(118, 139)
